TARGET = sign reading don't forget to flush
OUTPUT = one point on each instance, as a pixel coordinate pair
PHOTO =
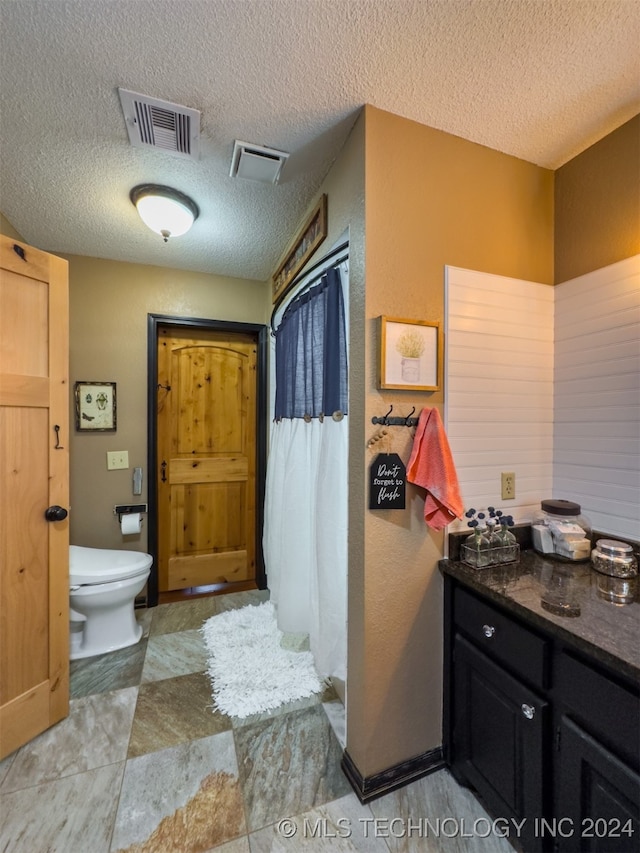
(387, 482)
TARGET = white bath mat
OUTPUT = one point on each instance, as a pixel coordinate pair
(249, 671)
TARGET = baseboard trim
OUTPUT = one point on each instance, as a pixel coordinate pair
(370, 787)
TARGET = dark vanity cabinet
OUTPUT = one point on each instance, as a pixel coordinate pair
(545, 736)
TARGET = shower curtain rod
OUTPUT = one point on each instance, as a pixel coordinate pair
(315, 278)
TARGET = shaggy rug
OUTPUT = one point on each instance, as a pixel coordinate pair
(249, 670)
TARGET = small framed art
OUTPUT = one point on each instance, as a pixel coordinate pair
(95, 406)
(410, 354)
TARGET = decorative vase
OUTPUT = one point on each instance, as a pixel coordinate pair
(410, 370)
(475, 549)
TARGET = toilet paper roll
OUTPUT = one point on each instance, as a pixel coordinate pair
(130, 523)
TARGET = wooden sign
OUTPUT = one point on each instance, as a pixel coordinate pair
(387, 482)
(304, 245)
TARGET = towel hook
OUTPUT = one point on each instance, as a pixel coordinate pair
(388, 413)
(407, 419)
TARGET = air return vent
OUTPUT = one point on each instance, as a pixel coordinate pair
(257, 163)
(152, 123)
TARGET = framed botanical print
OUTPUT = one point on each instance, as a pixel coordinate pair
(410, 354)
(95, 406)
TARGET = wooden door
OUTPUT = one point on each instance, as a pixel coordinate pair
(34, 477)
(206, 479)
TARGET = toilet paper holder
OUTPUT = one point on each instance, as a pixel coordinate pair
(127, 509)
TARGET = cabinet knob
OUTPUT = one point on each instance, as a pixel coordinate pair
(529, 711)
(488, 631)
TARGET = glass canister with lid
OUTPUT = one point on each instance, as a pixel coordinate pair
(614, 558)
(560, 531)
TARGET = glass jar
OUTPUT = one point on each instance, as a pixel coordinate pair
(494, 541)
(614, 558)
(475, 549)
(509, 548)
(561, 532)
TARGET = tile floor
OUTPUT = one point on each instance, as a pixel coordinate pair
(143, 763)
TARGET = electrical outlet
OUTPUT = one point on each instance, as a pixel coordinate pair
(117, 459)
(508, 485)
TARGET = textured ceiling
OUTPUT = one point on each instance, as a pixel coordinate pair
(539, 79)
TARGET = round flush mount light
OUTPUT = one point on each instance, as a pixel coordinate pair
(164, 210)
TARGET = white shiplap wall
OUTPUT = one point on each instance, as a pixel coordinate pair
(499, 388)
(596, 459)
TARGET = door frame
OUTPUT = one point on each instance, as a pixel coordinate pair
(261, 334)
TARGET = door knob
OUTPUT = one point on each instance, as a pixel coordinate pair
(55, 513)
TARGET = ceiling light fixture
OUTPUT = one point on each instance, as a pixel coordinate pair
(166, 211)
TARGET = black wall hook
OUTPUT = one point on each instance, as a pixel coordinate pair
(385, 420)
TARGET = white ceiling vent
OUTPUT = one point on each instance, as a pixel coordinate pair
(257, 163)
(152, 123)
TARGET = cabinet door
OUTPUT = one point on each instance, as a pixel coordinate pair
(498, 738)
(598, 793)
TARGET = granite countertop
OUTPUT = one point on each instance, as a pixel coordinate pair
(566, 600)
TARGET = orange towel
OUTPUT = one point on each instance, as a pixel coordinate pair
(431, 466)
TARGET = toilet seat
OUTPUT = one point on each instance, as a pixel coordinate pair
(88, 566)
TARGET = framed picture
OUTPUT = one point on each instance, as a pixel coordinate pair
(304, 245)
(410, 354)
(95, 406)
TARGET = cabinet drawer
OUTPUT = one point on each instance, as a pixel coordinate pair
(501, 637)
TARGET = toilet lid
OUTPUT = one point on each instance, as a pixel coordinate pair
(98, 565)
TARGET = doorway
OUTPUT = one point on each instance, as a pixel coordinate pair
(207, 455)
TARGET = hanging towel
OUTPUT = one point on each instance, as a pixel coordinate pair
(431, 466)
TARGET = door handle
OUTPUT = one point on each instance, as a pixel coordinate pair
(55, 513)
(163, 468)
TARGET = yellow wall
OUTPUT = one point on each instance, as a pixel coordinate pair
(430, 199)
(597, 200)
(109, 303)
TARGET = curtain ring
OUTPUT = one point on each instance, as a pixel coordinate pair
(337, 415)
(307, 418)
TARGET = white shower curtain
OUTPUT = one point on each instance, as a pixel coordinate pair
(305, 533)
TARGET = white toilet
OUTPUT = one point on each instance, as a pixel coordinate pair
(103, 585)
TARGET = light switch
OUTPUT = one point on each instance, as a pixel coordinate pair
(117, 459)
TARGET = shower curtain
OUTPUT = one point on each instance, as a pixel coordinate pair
(305, 531)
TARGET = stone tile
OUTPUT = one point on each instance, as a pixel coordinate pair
(103, 673)
(336, 713)
(71, 815)
(186, 798)
(342, 826)
(288, 764)
(295, 642)
(169, 655)
(5, 764)
(235, 600)
(240, 845)
(172, 711)
(182, 615)
(95, 733)
(436, 797)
